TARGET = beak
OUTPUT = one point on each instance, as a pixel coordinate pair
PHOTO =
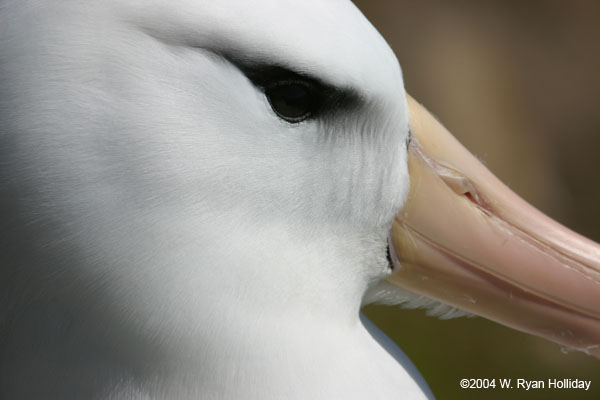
(466, 239)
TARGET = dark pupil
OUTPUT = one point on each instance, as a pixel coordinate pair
(291, 101)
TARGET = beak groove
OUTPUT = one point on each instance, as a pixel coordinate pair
(455, 180)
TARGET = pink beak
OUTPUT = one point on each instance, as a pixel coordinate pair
(466, 239)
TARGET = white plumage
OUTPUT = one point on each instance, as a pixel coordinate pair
(165, 234)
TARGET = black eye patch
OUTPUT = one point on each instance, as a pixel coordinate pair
(296, 97)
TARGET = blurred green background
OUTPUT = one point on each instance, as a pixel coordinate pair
(518, 82)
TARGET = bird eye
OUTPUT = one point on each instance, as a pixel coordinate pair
(294, 101)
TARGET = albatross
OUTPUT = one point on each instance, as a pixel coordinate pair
(198, 197)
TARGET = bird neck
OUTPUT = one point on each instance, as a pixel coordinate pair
(187, 295)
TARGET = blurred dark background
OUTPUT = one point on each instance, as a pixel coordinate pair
(518, 82)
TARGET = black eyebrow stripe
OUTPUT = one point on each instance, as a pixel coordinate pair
(263, 75)
(256, 70)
